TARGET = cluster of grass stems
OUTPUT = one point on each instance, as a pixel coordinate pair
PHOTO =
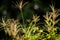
(30, 30)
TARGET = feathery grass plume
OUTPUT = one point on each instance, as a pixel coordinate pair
(55, 13)
(32, 32)
(20, 5)
(51, 17)
(11, 27)
(47, 20)
(47, 16)
(51, 20)
(35, 18)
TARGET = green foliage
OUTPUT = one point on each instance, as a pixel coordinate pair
(30, 30)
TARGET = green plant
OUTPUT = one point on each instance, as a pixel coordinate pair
(30, 30)
(13, 27)
(51, 20)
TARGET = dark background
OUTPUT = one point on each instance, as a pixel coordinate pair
(13, 11)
